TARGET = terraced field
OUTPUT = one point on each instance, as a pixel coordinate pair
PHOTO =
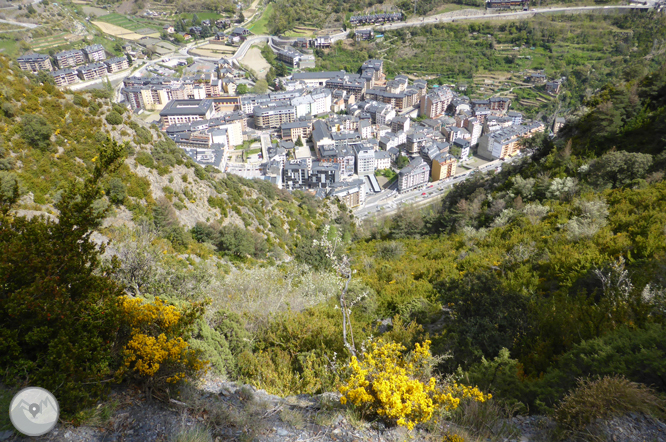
(53, 41)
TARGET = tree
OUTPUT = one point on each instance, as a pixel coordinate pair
(281, 69)
(260, 87)
(619, 168)
(242, 89)
(45, 78)
(241, 17)
(36, 131)
(58, 307)
(240, 242)
(190, 61)
(402, 161)
(129, 59)
(195, 20)
(299, 142)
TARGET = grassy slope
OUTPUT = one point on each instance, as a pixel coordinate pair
(260, 27)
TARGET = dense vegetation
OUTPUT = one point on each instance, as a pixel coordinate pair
(550, 270)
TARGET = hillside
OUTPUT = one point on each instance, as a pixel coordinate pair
(49, 138)
(530, 304)
(495, 57)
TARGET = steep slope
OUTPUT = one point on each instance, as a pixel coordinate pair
(49, 138)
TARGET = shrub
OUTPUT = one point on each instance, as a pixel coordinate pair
(36, 131)
(398, 388)
(390, 250)
(156, 353)
(116, 191)
(114, 118)
(145, 159)
(603, 398)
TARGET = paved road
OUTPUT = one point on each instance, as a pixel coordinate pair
(389, 201)
(444, 18)
(18, 23)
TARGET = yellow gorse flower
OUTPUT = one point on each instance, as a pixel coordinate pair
(393, 386)
(146, 354)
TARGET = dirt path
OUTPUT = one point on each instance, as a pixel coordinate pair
(255, 61)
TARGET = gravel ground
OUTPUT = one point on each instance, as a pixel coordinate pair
(232, 412)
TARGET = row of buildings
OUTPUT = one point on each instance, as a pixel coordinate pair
(153, 93)
(63, 60)
(65, 77)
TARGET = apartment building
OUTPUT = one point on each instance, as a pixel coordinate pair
(35, 63)
(289, 56)
(364, 34)
(116, 64)
(365, 160)
(64, 77)
(415, 174)
(94, 53)
(92, 71)
(506, 142)
(435, 103)
(273, 116)
(443, 166)
(300, 128)
(69, 59)
(356, 20)
(382, 160)
(351, 83)
(351, 193)
(186, 111)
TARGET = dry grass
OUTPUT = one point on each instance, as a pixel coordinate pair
(117, 31)
(486, 421)
(292, 417)
(195, 434)
(602, 398)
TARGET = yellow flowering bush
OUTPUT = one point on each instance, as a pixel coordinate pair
(397, 387)
(156, 351)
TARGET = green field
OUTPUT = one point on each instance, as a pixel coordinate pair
(131, 24)
(8, 47)
(260, 26)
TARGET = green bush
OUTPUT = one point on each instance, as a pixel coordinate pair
(36, 131)
(116, 191)
(145, 159)
(114, 118)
